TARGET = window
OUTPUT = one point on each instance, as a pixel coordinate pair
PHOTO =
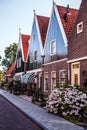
(53, 47)
(75, 73)
(31, 57)
(33, 36)
(62, 77)
(46, 81)
(79, 27)
(35, 55)
(18, 62)
(53, 79)
(75, 66)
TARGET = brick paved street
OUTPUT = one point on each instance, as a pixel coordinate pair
(12, 119)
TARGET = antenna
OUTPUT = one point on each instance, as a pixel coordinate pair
(67, 9)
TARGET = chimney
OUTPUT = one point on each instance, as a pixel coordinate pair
(66, 14)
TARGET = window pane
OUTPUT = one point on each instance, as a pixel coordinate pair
(35, 55)
(53, 47)
(53, 79)
(62, 77)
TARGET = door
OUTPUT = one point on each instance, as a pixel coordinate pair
(75, 73)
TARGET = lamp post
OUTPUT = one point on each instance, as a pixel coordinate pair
(42, 68)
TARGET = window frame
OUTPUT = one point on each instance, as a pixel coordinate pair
(62, 78)
(51, 80)
(53, 47)
(46, 90)
(35, 55)
(78, 27)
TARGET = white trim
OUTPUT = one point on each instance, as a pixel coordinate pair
(28, 51)
(78, 59)
(39, 36)
(8, 75)
(57, 61)
(35, 70)
(21, 42)
(19, 73)
(81, 30)
(61, 26)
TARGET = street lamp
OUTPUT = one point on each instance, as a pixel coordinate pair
(42, 68)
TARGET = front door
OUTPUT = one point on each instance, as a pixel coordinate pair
(75, 73)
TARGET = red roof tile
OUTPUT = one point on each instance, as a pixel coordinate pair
(43, 26)
(25, 45)
(11, 69)
(71, 18)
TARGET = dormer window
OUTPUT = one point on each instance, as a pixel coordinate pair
(80, 27)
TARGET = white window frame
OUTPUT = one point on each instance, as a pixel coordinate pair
(53, 47)
(61, 83)
(78, 27)
(35, 55)
(45, 90)
(51, 80)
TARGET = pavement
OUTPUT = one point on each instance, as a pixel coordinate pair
(39, 115)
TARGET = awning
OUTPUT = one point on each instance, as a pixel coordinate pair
(28, 78)
(24, 78)
(32, 78)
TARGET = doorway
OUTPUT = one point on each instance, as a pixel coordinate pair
(75, 73)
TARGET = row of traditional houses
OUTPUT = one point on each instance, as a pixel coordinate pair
(56, 51)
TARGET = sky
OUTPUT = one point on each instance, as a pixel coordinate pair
(15, 14)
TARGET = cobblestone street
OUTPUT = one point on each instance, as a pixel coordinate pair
(12, 119)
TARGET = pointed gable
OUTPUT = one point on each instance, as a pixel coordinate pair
(25, 45)
(71, 18)
(11, 69)
(43, 26)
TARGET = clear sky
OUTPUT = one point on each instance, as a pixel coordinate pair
(15, 14)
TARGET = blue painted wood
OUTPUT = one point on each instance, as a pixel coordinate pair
(54, 33)
(34, 46)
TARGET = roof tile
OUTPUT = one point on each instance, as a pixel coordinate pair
(43, 26)
(11, 69)
(25, 45)
(71, 18)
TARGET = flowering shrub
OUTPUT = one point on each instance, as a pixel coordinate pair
(67, 102)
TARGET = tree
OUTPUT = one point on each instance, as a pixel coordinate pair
(10, 56)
